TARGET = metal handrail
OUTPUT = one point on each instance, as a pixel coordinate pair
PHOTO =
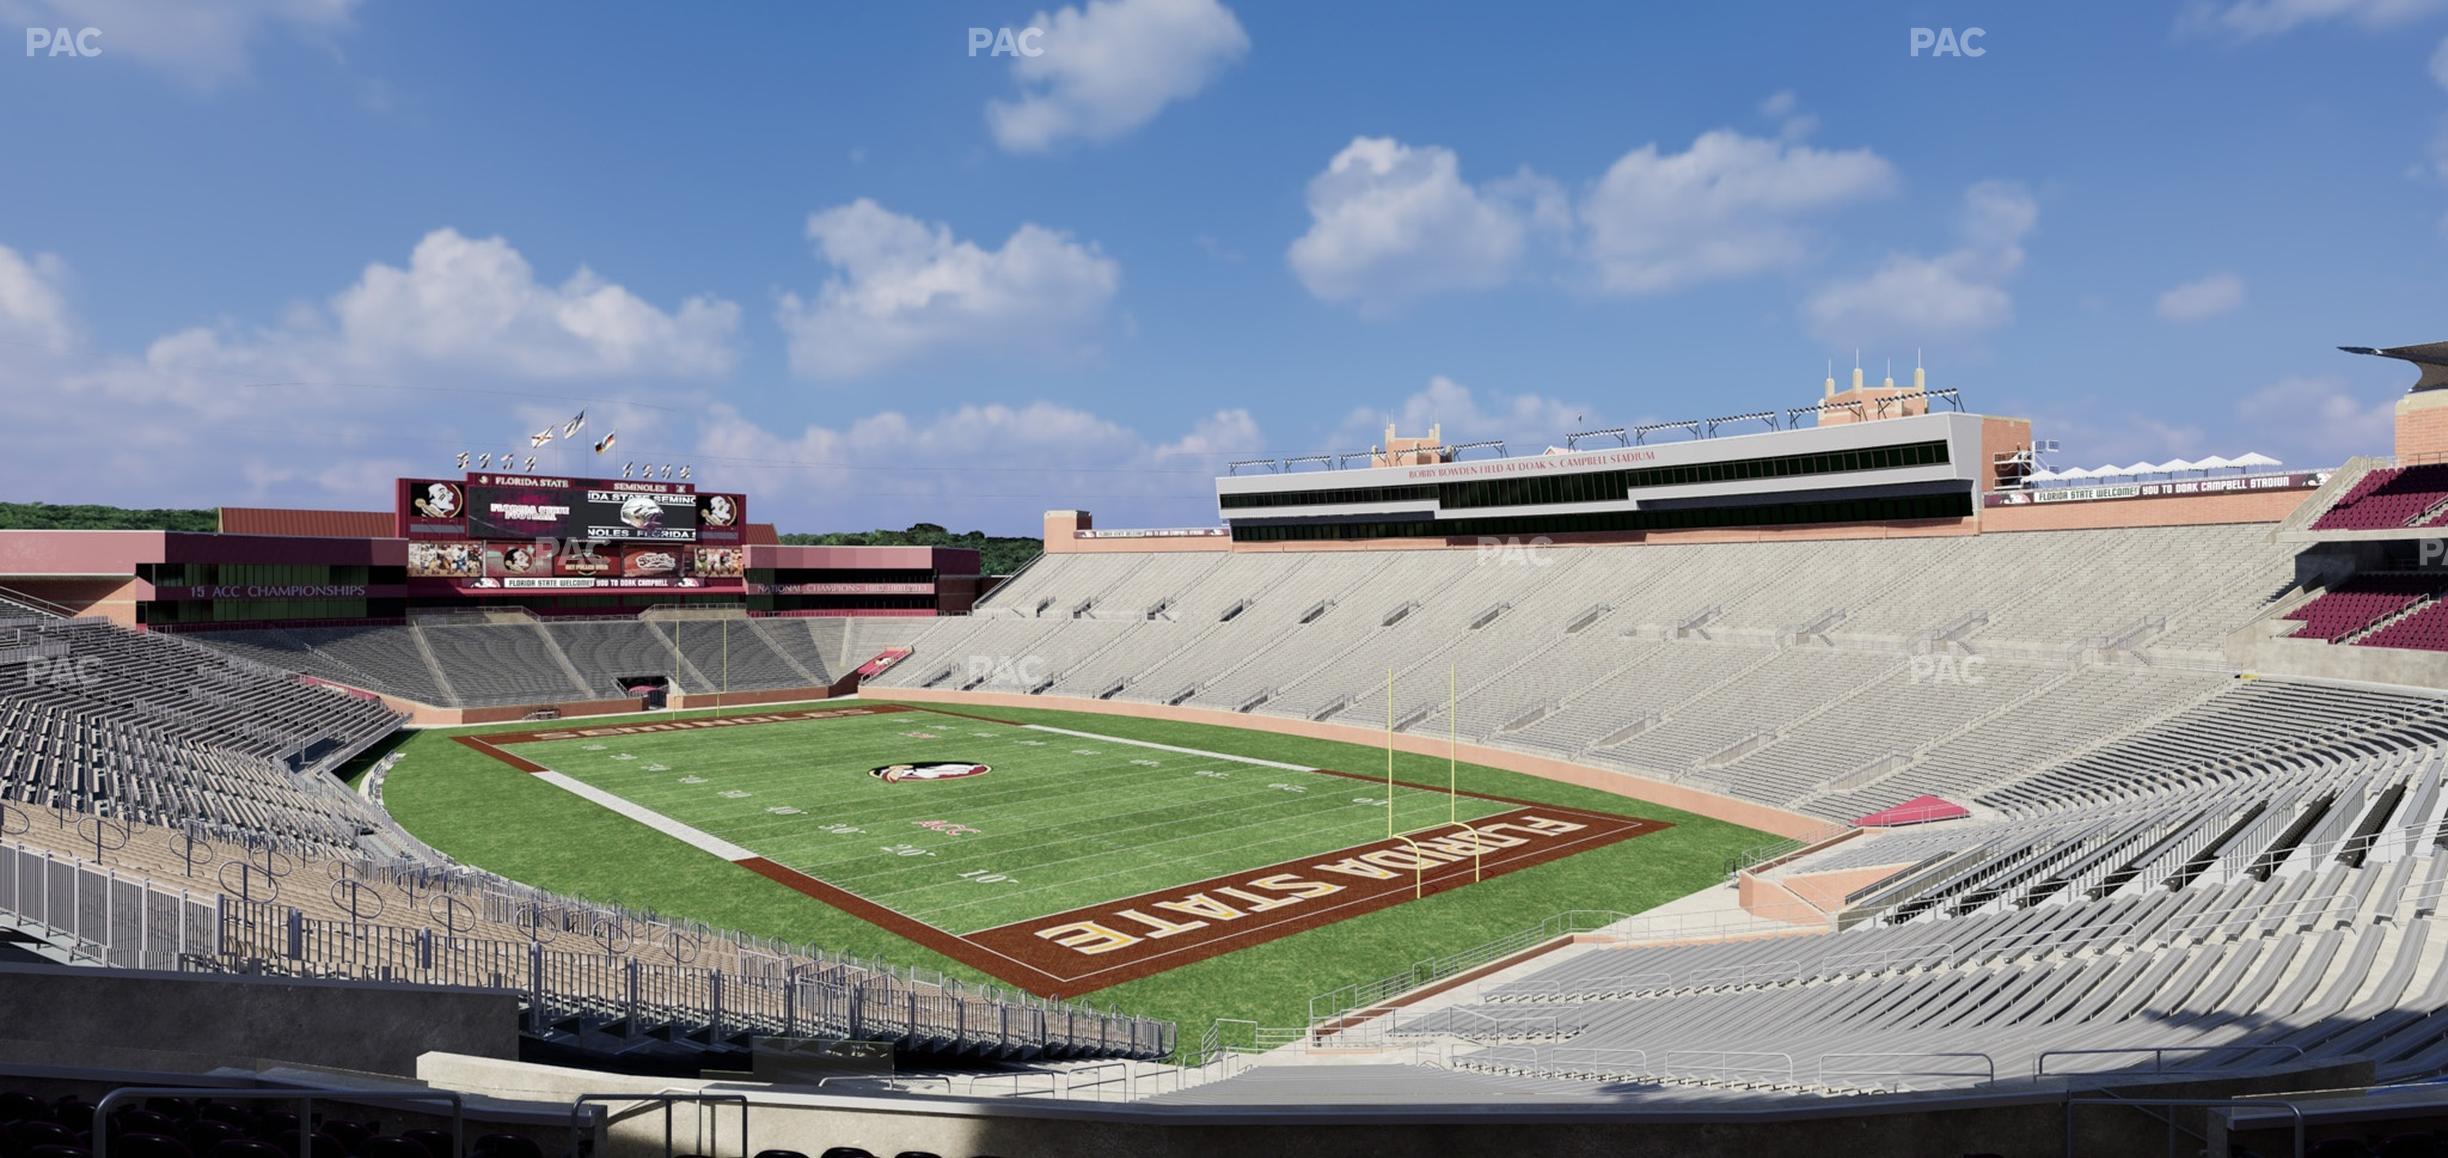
(667, 1098)
(306, 1097)
(2158, 1054)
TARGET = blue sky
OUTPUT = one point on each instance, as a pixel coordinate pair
(280, 251)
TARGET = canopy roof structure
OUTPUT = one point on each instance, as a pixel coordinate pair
(2429, 357)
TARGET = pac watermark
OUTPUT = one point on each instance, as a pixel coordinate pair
(1938, 42)
(1023, 670)
(2431, 552)
(49, 42)
(993, 42)
(64, 671)
(1514, 551)
(1947, 670)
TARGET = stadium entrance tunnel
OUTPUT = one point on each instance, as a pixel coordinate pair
(652, 693)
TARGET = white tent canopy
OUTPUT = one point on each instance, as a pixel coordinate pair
(2247, 461)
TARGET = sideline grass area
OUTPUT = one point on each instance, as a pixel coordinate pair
(479, 810)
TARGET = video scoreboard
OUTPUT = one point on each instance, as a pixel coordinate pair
(526, 532)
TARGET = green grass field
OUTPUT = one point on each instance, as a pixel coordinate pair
(1059, 822)
(1066, 820)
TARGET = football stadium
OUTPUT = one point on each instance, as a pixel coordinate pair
(500, 750)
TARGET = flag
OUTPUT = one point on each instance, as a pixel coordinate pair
(484, 462)
(605, 443)
(463, 460)
(540, 437)
(575, 425)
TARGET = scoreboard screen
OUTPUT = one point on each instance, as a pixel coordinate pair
(510, 531)
(518, 511)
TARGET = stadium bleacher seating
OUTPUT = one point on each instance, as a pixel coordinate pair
(2360, 602)
(2425, 630)
(149, 728)
(2388, 497)
(1734, 667)
(514, 660)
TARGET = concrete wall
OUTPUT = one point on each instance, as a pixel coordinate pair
(347, 1024)
(2314, 659)
(2029, 1124)
(429, 716)
(1688, 799)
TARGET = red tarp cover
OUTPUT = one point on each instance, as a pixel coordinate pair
(1918, 810)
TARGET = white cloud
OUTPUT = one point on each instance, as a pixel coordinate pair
(200, 43)
(1111, 66)
(470, 302)
(1959, 293)
(2248, 19)
(2206, 297)
(902, 288)
(1728, 207)
(319, 405)
(1785, 108)
(1527, 422)
(34, 315)
(2439, 64)
(891, 469)
(1390, 221)
(2315, 422)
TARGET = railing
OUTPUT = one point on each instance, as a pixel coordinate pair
(1748, 1066)
(110, 917)
(306, 1119)
(707, 1142)
(1986, 1074)
(2159, 1055)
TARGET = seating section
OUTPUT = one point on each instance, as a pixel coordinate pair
(2359, 602)
(501, 664)
(416, 921)
(2389, 497)
(153, 729)
(1835, 678)
(2425, 630)
(514, 661)
(2284, 914)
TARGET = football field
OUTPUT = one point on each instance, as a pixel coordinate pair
(1057, 859)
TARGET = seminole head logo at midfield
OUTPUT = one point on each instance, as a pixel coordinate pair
(931, 770)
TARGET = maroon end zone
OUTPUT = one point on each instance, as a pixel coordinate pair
(1091, 947)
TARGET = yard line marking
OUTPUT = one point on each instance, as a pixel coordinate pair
(646, 816)
(1170, 748)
